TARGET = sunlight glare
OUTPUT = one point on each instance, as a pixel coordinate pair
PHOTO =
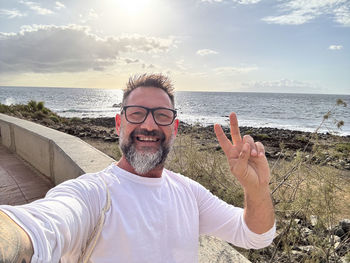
(133, 7)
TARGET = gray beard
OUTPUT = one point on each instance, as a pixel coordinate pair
(143, 162)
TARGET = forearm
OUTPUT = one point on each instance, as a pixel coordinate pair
(15, 244)
(259, 212)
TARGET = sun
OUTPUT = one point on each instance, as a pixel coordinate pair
(133, 7)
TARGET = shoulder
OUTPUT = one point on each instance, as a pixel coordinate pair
(84, 185)
(185, 181)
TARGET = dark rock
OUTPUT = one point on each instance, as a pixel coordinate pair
(109, 139)
(268, 154)
(345, 225)
(338, 231)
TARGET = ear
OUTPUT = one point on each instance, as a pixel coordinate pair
(118, 120)
(176, 126)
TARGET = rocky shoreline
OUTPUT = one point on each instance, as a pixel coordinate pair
(332, 150)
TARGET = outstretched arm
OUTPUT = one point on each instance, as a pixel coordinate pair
(15, 244)
(249, 165)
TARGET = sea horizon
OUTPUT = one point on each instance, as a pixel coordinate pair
(292, 111)
(198, 91)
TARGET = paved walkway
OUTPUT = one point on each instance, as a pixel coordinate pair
(19, 183)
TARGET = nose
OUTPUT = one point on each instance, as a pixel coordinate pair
(149, 123)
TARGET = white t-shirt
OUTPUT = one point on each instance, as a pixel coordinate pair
(150, 219)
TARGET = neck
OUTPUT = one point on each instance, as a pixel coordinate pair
(125, 165)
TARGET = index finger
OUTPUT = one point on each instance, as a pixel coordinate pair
(223, 141)
(235, 133)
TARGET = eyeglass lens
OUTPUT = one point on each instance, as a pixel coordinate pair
(139, 114)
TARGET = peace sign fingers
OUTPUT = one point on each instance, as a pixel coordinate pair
(235, 133)
(225, 143)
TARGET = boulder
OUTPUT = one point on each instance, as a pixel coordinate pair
(345, 225)
(212, 249)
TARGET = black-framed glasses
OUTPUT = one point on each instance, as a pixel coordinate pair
(138, 114)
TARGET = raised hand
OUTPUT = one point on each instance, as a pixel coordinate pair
(249, 165)
(246, 158)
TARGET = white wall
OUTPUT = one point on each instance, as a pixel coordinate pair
(55, 154)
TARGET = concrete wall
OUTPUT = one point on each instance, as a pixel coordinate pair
(57, 155)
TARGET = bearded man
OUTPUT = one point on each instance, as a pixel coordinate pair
(136, 210)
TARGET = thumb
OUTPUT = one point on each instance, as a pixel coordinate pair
(241, 167)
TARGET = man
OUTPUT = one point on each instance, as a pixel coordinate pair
(147, 213)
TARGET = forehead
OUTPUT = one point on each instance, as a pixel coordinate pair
(149, 97)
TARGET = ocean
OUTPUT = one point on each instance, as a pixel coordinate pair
(303, 112)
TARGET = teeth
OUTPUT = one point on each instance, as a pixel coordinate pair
(147, 139)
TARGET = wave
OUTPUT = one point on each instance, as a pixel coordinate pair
(9, 101)
(87, 110)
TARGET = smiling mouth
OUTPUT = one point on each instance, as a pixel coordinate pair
(147, 139)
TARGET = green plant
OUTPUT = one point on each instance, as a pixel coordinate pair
(32, 105)
(54, 118)
(343, 147)
(40, 105)
(38, 115)
(262, 136)
(75, 120)
(4, 108)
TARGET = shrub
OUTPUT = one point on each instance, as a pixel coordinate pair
(211, 170)
(40, 105)
(32, 105)
(343, 147)
(4, 108)
(54, 118)
(38, 115)
(262, 136)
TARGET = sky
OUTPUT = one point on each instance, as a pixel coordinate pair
(286, 46)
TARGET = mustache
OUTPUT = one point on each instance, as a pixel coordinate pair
(147, 133)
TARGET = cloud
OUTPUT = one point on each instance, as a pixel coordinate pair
(212, 1)
(297, 12)
(37, 8)
(247, 2)
(342, 15)
(11, 13)
(234, 70)
(49, 48)
(90, 16)
(148, 66)
(242, 2)
(59, 5)
(335, 47)
(181, 65)
(283, 85)
(131, 61)
(205, 52)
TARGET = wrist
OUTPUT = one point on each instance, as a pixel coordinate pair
(257, 194)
